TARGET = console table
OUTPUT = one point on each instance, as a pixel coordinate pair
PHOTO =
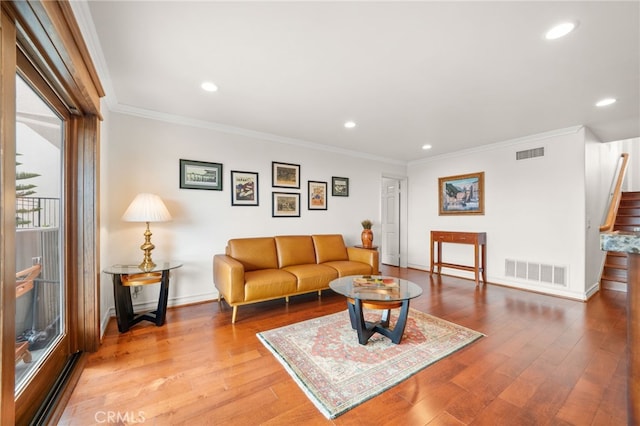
(477, 239)
(126, 276)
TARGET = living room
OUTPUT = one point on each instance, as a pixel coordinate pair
(525, 213)
(543, 210)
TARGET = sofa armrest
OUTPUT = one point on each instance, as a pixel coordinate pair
(370, 257)
(228, 277)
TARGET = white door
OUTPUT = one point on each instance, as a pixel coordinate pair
(390, 247)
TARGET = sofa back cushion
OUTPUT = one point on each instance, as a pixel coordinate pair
(295, 250)
(254, 253)
(329, 248)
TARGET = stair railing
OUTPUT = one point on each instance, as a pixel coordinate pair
(615, 194)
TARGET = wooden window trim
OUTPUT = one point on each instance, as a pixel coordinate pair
(48, 35)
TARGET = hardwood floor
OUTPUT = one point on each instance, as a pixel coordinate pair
(544, 361)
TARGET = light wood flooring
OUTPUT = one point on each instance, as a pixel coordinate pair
(544, 361)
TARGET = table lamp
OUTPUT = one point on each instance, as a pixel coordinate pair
(146, 208)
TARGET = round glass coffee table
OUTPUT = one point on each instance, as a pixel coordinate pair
(376, 292)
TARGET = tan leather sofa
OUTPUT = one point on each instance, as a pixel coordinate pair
(257, 269)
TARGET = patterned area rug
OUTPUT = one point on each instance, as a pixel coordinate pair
(324, 357)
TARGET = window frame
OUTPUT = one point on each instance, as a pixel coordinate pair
(43, 41)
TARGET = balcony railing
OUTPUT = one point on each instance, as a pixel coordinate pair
(37, 212)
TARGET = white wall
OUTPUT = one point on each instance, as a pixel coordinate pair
(142, 155)
(542, 210)
(632, 177)
(534, 209)
(601, 160)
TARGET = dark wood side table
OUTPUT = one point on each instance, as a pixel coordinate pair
(126, 276)
(368, 248)
(477, 239)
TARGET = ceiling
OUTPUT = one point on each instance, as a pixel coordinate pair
(455, 75)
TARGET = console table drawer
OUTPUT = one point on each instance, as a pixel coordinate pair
(459, 237)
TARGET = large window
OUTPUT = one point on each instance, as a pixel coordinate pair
(49, 116)
(40, 298)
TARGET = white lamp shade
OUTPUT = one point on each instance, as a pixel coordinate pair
(146, 208)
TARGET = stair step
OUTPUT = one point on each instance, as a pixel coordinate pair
(625, 228)
(630, 199)
(628, 210)
(613, 285)
(615, 270)
(631, 195)
(617, 254)
(614, 273)
(614, 278)
(615, 263)
(627, 220)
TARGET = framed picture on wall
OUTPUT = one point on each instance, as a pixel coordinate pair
(285, 175)
(461, 194)
(286, 204)
(317, 195)
(244, 188)
(339, 186)
(200, 175)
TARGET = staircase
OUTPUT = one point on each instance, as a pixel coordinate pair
(614, 274)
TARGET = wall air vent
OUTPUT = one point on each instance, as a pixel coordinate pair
(530, 153)
(553, 275)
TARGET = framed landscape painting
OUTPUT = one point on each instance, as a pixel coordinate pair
(286, 204)
(340, 186)
(461, 194)
(244, 189)
(200, 175)
(285, 175)
(317, 195)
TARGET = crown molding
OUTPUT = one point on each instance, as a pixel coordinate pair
(85, 23)
(223, 128)
(500, 145)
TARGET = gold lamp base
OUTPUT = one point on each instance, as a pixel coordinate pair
(147, 264)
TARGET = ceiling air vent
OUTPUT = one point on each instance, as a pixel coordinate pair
(530, 153)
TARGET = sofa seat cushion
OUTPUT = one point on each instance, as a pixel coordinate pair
(347, 267)
(268, 284)
(312, 277)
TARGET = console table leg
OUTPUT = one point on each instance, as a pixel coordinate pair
(476, 259)
(484, 264)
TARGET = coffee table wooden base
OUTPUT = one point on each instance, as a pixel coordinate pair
(366, 329)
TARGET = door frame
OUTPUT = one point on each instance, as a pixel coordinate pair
(47, 34)
(403, 216)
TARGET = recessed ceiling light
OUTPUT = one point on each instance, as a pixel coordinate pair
(426, 146)
(209, 86)
(350, 124)
(560, 30)
(605, 102)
